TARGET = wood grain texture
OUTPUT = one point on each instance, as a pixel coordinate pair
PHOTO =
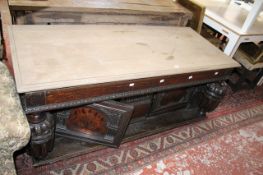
(82, 95)
(158, 12)
(169, 100)
(157, 6)
(50, 57)
(89, 91)
(142, 105)
(198, 11)
(57, 17)
(86, 120)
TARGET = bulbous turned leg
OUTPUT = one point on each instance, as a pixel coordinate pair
(213, 95)
(208, 97)
(42, 134)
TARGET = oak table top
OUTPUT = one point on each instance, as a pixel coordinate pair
(50, 57)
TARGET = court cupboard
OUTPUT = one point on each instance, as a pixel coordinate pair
(117, 71)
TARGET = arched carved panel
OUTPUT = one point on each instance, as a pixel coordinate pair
(103, 123)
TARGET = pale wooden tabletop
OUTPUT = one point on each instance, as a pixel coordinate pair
(158, 6)
(48, 57)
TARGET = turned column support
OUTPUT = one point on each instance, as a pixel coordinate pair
(206, 98)
(42, 127)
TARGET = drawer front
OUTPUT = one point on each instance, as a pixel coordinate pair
(69, 94)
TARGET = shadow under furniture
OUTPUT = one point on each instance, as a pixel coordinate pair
(250, 75)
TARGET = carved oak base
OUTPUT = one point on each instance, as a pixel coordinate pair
(106, 122)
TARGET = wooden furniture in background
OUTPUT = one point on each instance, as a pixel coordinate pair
(157, 12)
(250, 74)
(253, 52)
(198, 11)
(228, 19)
(239, 26)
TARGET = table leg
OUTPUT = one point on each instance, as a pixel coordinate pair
(207, 98)
(232, 45)
(252, 16)
(42, 134)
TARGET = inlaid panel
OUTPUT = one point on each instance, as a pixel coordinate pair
(103, 123)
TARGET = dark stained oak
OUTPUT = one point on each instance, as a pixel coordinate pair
(68, 94)
(86, 120)
(119, 89)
